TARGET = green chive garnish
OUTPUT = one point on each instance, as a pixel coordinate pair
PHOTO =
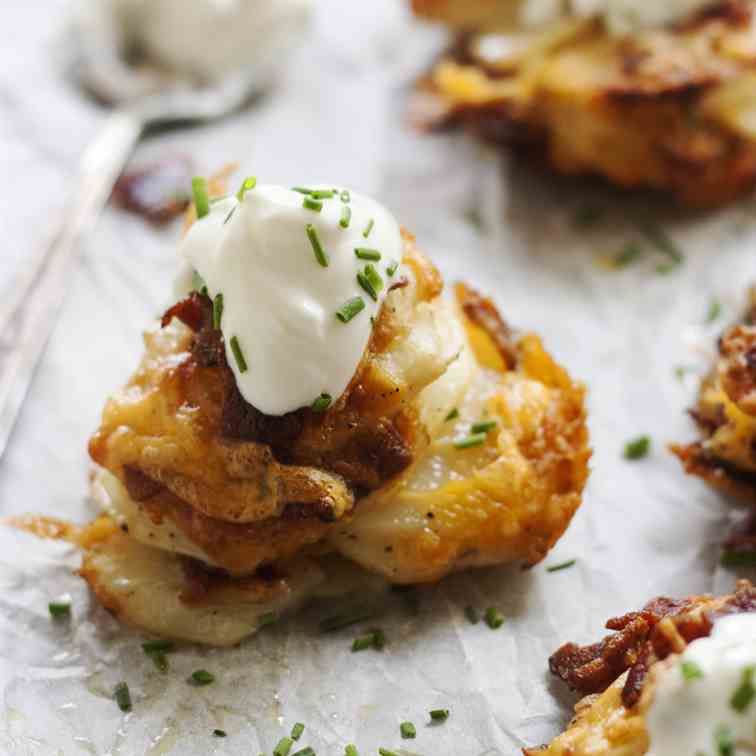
(345, 197)
(297, 730)
(312, 204)
(160, 660)
(407, 730)
(201, 199)
(59, 609)
(238, 355)
(217, 311)
(122, 696)
(346, 216)
(494, 618)
(198, 283)
(151, 646)
(392, 268)
(637, 448)
(745, 692)
(269, 618)
(321, 193)
(201, 677)
(350, 308)
(453, 415)
(724, 740)
(322, 403)
(368, 228)
(386, 752)
(627, 254)
(365, 253)
(477, 439)
(370, 281)
(320, 254)
(366, 285)
(351, 750)
(658, 237)
(283, 747)
(248, 183)
(714, 311)
(439, 715)
(472, 614)
(306, 751)
(562, 565)
(690, 671)
(374, 639)
(484, 426)
(301, 189)
(219, 733)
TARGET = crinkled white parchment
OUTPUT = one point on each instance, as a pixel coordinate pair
(339, 115)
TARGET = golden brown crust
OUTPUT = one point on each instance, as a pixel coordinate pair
(667, 109)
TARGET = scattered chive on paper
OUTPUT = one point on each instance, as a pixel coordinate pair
(346, 216)
(322, 403)
(122, 696)
(453, 415)
(321, 193)
(217, 311)
(562, 565)
(283, 747)
(365, 253)
(637, 448)
(350, 308)
(494, 618)
(306, 751)
(690, 671)
(391, 269)
(312, 204)
(201, 198)
(59, 609)
(351, 750)
(320, 254)
(472, 614)
(476, 439)
(744, 694)
(238, 355)
(249, 183)
(714, 311)
(484, 426)
(407, 730)
(439, 715)
(201, 677)
(368, 228)
(297, 730)
(219, 733)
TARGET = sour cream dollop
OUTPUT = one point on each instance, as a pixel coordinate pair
(280, 303)
(702, 698)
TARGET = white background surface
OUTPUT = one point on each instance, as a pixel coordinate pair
(338, 116)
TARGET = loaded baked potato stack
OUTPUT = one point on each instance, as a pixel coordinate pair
(311, 401)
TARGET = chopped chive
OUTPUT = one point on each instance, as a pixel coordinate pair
(439, 715)
(345, 196)
(407, 730)
(562, 565)
(365, 253)
(453, 415)
(297, 730)
(386, 752)
(248, 183)
(627, 254)
(283, 747)
(217, 311)
(363, 642)
(351, 750)
(690, 671)
(122, 696)
(745, 692)
(201, 677)
(201, 199)
(341, 621)
(59, 609)
(714, 311)
(312, 204)
(350, 308)
(230, 214)
(238, 355)
(269, 618)
(494, 618)
(321, 193)
(322, 403)
(306, 751)
(637, 448)
(346, 216)
(379, 639)
(738, 558)
(484, 426)
(472, 614)
(320, 254)
(370, 281)
(368, 228)
(659, 239)
(219, 733)
(724, 740)
(391, 269)
(198, 283)
(363, 281)
(664, 268)
(477, 439)
(301, 189)
(151, 646)
(159, 659)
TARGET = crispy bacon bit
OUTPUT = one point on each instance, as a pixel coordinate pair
(737, 371)
(194, 311)
(664, 626)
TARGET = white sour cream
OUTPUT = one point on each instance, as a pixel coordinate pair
(208, 39)
(279, 302)
(687, 714)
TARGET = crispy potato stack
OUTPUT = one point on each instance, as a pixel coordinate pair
(670, 109)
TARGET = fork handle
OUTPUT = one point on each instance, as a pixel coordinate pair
(28, 315)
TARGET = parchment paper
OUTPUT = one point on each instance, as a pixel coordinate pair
(644, 529)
